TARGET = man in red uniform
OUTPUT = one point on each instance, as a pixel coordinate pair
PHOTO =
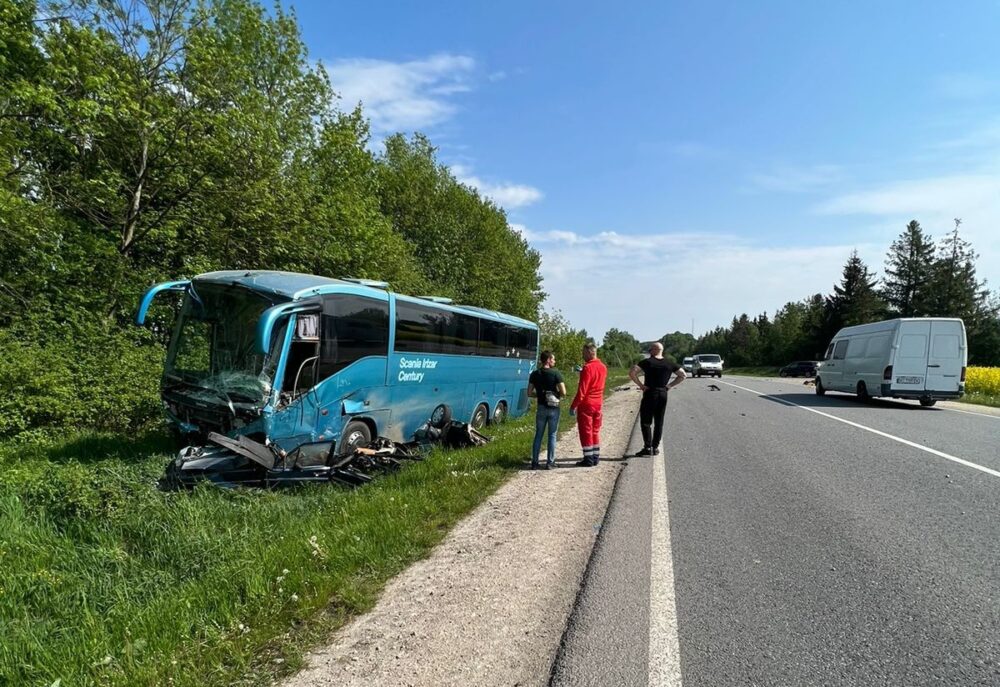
(587, 405)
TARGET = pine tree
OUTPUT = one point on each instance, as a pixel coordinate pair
(955, 290)
(855, 300)
(958, 293)
(909, 269)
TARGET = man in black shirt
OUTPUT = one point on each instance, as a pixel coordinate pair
(546, 384)
(656, 371)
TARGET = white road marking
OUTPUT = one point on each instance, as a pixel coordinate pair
(664, 646)
(970, 412)
(948, 408)
(907, 442)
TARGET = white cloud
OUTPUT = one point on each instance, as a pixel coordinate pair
(935, 202)
(506, 194)
(965, 86)
(653, 284)
(797, 179)
(403, 96)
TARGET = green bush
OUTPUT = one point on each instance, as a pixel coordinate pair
(88, 376)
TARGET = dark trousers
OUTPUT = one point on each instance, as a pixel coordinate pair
(651, 410)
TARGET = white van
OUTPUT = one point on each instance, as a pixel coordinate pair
(922, 358)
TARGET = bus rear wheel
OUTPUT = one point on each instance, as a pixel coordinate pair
(499, 413)
(480, 416)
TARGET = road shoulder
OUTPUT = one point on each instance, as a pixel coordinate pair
(490, 605)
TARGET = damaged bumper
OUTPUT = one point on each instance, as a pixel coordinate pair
(241, 461)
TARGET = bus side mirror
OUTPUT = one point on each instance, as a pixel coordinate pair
(265, 325)
(147, 298)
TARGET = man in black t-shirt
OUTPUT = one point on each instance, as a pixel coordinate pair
(546, 384)
(656, 371)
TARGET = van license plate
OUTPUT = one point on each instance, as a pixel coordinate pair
(909, 380)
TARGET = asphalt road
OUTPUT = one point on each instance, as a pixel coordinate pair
(807, 541)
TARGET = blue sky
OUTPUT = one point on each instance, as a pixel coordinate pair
(691, 161)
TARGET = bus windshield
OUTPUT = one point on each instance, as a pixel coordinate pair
(212, 353)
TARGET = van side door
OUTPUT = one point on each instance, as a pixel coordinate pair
(946, 357)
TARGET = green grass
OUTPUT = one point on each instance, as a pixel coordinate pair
(107, 581)
(981, 399)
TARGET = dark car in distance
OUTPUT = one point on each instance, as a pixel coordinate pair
(800, 368)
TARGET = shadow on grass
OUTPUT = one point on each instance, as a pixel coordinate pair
(95, 448)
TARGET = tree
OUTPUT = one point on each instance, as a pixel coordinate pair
(742, 343)
(855, 300)
(957, 292)
(558, 336)
(909, 269)
(463, 243)
(678, 345)
(620, 349)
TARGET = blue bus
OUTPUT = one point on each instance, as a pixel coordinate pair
(305, 363)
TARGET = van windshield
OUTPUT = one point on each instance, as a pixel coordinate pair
(709, 358)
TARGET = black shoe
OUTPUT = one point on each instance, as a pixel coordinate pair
(646, 451)
(585, 463)
(549, 466)
(534, 466)
(656, 451)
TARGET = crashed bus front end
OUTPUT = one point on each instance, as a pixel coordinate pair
(276, 377)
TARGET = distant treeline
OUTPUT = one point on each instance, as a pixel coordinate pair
(921, 279)
(153, 140)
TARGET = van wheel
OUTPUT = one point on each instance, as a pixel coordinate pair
(820, 389)
(499, 413)
(355, 434)
(928, 402)
(480, 416)
(863, 394)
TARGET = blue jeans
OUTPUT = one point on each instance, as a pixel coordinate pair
(550, 417)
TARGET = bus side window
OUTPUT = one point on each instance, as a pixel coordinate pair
(492, 338)
(353, 328)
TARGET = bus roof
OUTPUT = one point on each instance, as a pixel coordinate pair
(295, 285)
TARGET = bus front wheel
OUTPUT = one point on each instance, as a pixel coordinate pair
(480, 416)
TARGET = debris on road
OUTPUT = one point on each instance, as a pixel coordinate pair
(713, 387)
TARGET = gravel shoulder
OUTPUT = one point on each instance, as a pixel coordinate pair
(490, 604)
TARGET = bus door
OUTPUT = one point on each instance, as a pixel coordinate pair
(294, 419)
